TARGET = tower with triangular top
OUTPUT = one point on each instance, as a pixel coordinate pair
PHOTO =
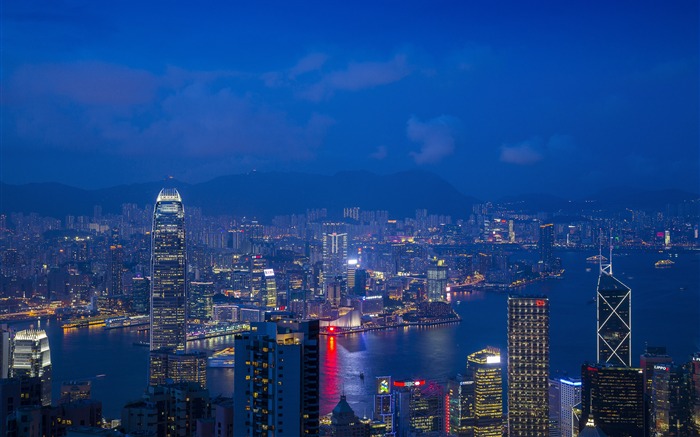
(614, 311)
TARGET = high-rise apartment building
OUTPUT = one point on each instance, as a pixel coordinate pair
(614, 309)
(528, 366)
(277, 379)
(31, 358)
(168, 264)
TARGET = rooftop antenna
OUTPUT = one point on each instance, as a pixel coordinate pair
(38, 323)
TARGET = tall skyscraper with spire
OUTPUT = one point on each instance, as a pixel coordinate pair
(614, 310)
(168, 265)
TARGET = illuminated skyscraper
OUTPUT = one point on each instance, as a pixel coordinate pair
(528, 366)
(116, 265)
(277, 379)
(437, 281)
(384, 403)
(270, 289)
(335, 251)
(31, 358)
(484, 368)
(614, 307)
(568, 395)
(168, 263)
(614, 397)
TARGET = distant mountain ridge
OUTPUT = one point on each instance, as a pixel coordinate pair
(265, 195)
(257, 194)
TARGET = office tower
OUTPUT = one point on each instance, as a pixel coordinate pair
(352, 268)
(460, 406)
(167, 365)
(344, 422)
(361, 277)
(200, 302)
(614, 309)
(651, 357)
(140, 295)
(167, 410)
(5, 351)
(420, 408)
(335, 251)
(333, 293)
(546, 243)
(484, 369)
(528, 366)
(670, 401)
(270, 289)
(437, 281)
(694, 369)
(116, 262)
(168, 263)
(257, 278)
(567, 395)
(614, 397)
(74, 391)
(31, 358)
(277, 379)
(384, 404)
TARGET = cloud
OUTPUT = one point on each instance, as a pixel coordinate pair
(535, 149)
(380, 153)
(436, 137)
(88, 83)
(307, 64)
(525, 153)
(181, 113)
(358, 76)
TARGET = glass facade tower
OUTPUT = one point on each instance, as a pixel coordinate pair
(168, 264)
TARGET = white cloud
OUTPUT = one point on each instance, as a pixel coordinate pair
(436, 137)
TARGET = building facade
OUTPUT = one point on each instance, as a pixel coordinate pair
(528, 366)
(168, 267)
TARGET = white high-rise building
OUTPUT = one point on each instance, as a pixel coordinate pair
(335, 251)
(31, 358)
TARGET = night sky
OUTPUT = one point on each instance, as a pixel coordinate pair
(497, 97)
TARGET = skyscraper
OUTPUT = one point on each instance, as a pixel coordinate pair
(528, 366)
(31, 358)
(335, 251)
(270, 289)
(614, 308)
(476, 399)
(568, 395)
(437, 281)
(613, 396)
(277, 379)
(546, 243)
(168, 263)
(116, 265)
(384, 403)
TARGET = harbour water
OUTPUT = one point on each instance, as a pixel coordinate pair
(665, 312)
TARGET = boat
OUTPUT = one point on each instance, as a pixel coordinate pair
(222, 358)
(596, 258)
(663, 263)
(142, 343)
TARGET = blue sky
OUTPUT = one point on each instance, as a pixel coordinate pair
(497, 97)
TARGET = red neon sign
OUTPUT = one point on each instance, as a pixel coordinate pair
(539, 302)
(409, 383)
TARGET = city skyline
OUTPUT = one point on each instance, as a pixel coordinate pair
(563, 92)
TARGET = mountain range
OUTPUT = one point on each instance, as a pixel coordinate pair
(264, 195)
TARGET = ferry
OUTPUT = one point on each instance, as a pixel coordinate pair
(664, 263)
(222, 358)
(126, 321)
(596, 259)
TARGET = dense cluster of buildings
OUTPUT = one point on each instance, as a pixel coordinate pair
(307, 275)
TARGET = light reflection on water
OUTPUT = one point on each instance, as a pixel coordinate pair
(665, 305)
